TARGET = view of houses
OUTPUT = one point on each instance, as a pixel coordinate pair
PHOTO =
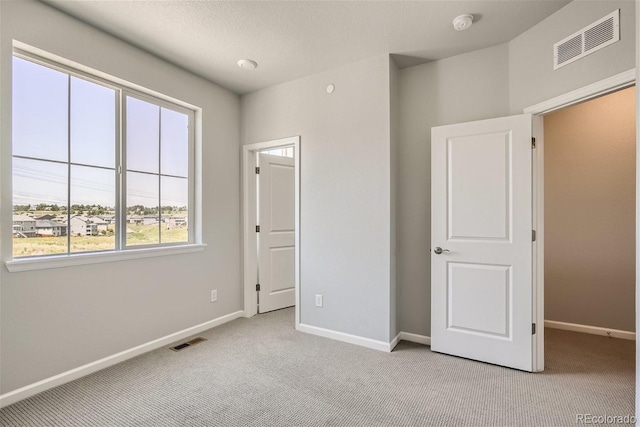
(34, 223)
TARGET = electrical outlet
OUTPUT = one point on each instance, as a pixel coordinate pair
(318, 300)
(214, 295)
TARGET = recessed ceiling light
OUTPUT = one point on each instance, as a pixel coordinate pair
(247, 64)
(462, 22)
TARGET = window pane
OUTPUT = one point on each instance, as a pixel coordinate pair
(93, 199)
(175, 211)
(283, 152)
(39, 123)
(143, 143)
(93, 121)
(39, 208)
(175, 143)
(142, 209)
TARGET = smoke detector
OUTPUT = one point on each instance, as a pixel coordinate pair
(247, 64)
(462, 22)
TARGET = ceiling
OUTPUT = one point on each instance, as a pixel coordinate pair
(293, 39)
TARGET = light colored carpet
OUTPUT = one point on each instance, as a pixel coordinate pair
(261, 372)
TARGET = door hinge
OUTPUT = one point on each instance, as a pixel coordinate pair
(533, 329)
(257, 228)
(533, 235)
(533, 142)
(257, 287)
(257, 170)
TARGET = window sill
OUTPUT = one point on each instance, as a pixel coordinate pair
(58, 261)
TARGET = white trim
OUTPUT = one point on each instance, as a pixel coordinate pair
(56, 380)
(594, 330)
(537, 217)
(348, 338)
(250, 262)
(610, 84)
(276, 143)
(59, 261)
(418, 339)
(394, 342)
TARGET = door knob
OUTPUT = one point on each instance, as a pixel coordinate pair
(438, 250)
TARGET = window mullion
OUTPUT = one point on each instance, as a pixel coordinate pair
(68, 164)
(159, 175)
(121, 178)
(191, 186)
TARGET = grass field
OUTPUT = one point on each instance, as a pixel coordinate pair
(136, 235)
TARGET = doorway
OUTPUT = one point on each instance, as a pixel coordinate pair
(589, 213)
(271, 211)
(589, 155)
(601, 89)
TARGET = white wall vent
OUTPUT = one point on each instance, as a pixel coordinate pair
(600, 34)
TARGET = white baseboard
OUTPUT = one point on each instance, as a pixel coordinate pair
(595, 330)
(418, 339)
(394, 342)
(56, 380)
(341, 336)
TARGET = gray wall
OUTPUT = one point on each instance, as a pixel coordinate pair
(59, 319)
(589, 161)
(345, 189)
(467, 87)
(532, 78)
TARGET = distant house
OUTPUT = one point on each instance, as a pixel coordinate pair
(177, 221)
(46, 217)
(134, 219)
(110, 219)
(150, 219)
(83, 226)
(101, 224)
(24, 226)
(47, 227)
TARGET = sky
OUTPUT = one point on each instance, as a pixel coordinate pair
(66, 127)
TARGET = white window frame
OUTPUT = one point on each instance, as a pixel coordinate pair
(122, 213)
(122, 251)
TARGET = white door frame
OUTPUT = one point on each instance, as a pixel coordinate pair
(249, 203)
(608, 85)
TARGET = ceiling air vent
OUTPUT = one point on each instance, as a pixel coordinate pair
(600, 34)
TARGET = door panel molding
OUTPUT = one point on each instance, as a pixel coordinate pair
(481, 278)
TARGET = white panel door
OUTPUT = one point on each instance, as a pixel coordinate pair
(481, 231)
(276, 212)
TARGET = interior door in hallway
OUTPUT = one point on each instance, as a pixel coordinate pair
(276, 240)
(481, 232)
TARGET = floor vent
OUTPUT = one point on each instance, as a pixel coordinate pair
(187, 344)
(594, 37)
